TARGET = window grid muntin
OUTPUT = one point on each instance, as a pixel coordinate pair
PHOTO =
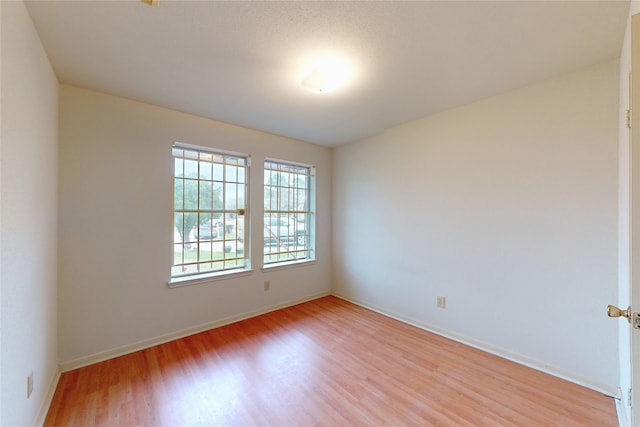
(293, 183)
(212, 254)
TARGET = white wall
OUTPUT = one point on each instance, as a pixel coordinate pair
(28, 205)
(116, 225)
(507, 207)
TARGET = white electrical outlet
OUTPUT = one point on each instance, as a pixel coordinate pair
(442, 302)
(267, 285)
(29, 384)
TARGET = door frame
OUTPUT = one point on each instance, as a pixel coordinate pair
(634, 227)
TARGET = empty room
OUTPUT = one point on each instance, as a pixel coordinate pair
(319, 213)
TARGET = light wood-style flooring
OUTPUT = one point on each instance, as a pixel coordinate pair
(322, 363)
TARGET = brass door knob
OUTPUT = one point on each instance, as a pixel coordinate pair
(613, 311)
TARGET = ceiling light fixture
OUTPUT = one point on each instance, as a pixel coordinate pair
(323, 80)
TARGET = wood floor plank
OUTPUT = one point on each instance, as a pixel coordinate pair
(322, 363)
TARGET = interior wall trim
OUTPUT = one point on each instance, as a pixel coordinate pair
(48, 398)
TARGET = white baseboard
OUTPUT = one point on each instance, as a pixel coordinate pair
(501, 352)
(141, 345)
(46, 403)
(517, 358)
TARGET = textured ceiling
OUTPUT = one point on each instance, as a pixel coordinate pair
(240, 62)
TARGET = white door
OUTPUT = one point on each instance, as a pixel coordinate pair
(632, 366)
(635, 217)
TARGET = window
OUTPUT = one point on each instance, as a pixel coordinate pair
(288, 212)
(210, 193)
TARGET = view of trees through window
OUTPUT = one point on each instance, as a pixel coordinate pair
(210, 191)
(287, 212)
(210, 217)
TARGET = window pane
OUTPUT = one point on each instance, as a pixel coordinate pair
(218, 172)
(177, 254)
(177, 227)
(231, 173)
(217, 195)
(241, 199)
(178, 167)
(206, 170)
(287, 225)
(190, 223)
(207, 157)
(230, 196)
(190, 154)
(190, 194)
(190, 168)
(178, 193)
(208, 188)
(206, 195)
(205, 226)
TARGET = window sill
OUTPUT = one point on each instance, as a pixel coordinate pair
(287, 265)
(179, 282)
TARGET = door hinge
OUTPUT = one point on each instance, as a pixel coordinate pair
(628, 118)
(630, 402)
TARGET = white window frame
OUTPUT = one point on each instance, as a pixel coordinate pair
(233, 205)
(282, 249)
